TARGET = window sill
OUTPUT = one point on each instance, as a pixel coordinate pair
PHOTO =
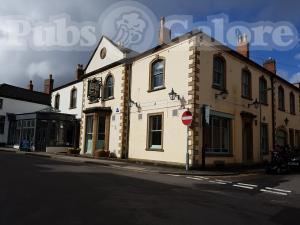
(156, 89)
(72, 108)
(247, 98)
(109, 99)
(282, 110)
(264, 104)
(218, 154)
(219, 88)
(93, 102)
(294, 114)
(154, 150)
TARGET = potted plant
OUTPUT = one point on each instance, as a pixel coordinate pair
(101, 154)
(73, 151)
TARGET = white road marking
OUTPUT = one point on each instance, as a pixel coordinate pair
(241, 186)
(173, 175)
(116, 166)
(216, 182)
(274, 192)
(195, 178)
(280, 190)
(204, 178)
(224, 181)
(249, 185)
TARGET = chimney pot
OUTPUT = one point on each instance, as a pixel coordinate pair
(79, 71)
(48, 85)
(243, 46)
(270, 64)
(30, 85)
(164, 33)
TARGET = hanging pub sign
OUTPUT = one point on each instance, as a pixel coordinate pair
(94, 89)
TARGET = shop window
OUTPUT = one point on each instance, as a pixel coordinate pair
(219, 135)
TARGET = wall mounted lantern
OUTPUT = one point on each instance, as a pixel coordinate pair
(173, 95)
(256, 104)
(286, 121)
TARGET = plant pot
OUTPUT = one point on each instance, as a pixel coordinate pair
(72, 151)
(101, 154)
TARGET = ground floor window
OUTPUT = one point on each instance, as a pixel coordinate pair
(27, 134)
(89, 134)
(281, 138)
(2, 124)
(297, 139)
(219, 135)
(155, 131)
(264, 138)
(292, 138)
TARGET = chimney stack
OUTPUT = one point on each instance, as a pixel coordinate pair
(79, 71)
(30, 86)
(48, 85)
(164, 33)
(270, 65)
(243, 46)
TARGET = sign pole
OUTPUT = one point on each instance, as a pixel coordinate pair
(187, 119)
(187, 150)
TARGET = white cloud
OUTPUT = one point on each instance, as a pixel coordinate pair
(295, 78)
(39, 69)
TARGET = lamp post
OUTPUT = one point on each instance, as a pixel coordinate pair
(257, 104)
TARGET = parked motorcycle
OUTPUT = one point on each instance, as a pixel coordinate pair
(294, 161)
(283, 160)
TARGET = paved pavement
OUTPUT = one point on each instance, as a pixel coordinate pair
(138, 166)
(37, 190)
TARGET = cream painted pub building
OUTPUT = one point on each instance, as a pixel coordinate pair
(132, 103)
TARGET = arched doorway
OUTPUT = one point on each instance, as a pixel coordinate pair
(281, 137)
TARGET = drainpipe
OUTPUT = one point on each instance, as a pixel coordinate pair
(273, 112)
(128, 71)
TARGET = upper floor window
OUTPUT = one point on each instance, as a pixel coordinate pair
(57, 101)
(292, 103)
(73, 98)
(109, 87)
(246, 83)
(219, 73)
(1, 103)
(263, 95)
(157, 74)
(281, 102)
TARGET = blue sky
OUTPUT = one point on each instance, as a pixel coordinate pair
(18, 67)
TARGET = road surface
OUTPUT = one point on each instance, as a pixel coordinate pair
(42, 191)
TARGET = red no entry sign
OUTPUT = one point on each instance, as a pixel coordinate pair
(187, 118)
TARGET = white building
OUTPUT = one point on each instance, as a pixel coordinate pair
(15, 100)
(104, 100)
(67, 99)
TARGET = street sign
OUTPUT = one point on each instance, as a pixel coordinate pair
(187, 118)
(207, 114)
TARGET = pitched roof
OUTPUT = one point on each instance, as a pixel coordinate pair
(13, 92)
(121, 49)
